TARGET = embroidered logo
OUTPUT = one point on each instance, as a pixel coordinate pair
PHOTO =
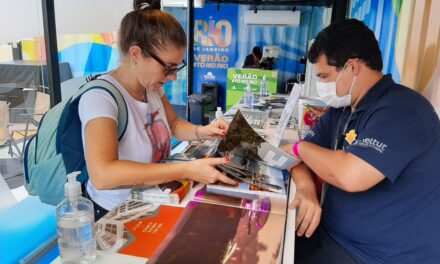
(350, 137)
(371, 143)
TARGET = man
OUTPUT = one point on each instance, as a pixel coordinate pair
(378, 149)
(253, 60)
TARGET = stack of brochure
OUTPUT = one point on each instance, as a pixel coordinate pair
(169, 193)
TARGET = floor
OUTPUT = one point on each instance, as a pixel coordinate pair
(11, 170)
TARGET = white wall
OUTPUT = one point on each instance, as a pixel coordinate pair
(21, 19)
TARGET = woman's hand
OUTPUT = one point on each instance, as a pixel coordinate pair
(214, 130)
(308, 211)
(204, 171)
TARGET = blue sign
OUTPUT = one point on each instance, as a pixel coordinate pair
(214, 46)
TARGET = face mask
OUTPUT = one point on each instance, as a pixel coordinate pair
(327, 93)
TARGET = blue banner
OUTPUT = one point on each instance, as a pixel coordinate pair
(214, 46)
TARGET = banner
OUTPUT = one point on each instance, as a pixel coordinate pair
(214, 46)
(238, 79)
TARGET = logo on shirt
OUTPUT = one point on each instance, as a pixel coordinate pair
(350, 137)
(371, 143)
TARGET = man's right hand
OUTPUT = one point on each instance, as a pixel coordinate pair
(308, 211)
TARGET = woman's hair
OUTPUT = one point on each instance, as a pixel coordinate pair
(149, 28)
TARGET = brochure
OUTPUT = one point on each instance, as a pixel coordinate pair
(136, 228)
(309, 111)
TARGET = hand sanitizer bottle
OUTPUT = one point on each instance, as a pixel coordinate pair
(218, 113)
(248, 97)
(263, 87)
(75, 221)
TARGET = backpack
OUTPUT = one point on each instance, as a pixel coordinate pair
(57, 148)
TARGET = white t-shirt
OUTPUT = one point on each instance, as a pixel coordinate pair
(147, 138)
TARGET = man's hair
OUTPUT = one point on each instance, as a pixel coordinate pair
(257, 51)
(347, 39)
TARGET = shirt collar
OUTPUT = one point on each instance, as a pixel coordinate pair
(375, 92)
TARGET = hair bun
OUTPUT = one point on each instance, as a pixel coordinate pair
(139, 5)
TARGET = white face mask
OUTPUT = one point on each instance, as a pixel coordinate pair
(327, 93)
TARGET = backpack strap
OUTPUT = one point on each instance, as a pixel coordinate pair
(117, 96)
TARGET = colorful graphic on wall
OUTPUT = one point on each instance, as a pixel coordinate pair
(86, 53)
(238, 79)
(214, 46)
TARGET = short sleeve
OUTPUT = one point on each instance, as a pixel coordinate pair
(391, 139)
(96, 104)
(321, 132)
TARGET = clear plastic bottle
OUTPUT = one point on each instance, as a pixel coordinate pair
(218, 113)
(248, 100)
(75, 221)
(263, 87)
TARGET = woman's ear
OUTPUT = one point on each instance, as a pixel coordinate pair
(135, 53)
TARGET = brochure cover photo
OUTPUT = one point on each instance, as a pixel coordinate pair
(211, 233)
(136, 228)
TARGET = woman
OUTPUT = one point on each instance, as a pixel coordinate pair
(152, 45)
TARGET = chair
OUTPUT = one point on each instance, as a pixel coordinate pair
(32, 120)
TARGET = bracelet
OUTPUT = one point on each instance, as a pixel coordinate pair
(295, 149)
(197, 135)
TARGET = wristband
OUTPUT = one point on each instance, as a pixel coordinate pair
(295, 149)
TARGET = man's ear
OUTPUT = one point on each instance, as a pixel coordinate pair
(354, 66)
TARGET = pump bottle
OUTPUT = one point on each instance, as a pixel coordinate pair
(75, 221)
(263, 87)
(248, 100)
(218, 113)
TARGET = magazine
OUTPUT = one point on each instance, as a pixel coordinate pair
(255, 163)
(253, 159)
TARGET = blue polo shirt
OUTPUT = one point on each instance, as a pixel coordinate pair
(397, 131)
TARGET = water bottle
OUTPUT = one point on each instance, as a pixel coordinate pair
(218, 113)
(263, 87)
(248, 97)
(75, 221)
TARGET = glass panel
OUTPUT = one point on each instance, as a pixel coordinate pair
(177, 90)
(87, 46)
(23, 94)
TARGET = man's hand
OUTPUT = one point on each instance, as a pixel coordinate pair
(308, 211)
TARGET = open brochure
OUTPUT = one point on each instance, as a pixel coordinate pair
(255, 163)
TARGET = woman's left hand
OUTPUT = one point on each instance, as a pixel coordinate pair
(214, 130)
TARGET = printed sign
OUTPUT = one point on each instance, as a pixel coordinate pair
(238, 79)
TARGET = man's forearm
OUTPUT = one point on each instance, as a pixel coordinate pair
(339, 168)
(302, 176)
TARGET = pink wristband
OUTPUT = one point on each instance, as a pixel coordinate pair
(295, 149)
